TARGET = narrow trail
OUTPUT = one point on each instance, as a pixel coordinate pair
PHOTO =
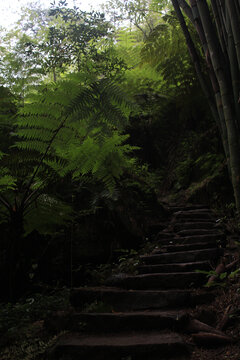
(150, 313)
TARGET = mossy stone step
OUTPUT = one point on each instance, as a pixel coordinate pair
(119, 321)
(185, 247)
(194, 219)
(192, 232)
(182, 256)
(101, 347)
(188, 207)
(116, 299)
(196, 225)
(193, 239)
(177, 267)
(193, 215)
(159, 280)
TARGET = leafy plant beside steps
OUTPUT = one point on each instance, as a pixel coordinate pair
(21, 324)
(72, 128)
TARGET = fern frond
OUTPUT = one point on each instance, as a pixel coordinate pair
(46, 214)
(7, 182)
(72, 125)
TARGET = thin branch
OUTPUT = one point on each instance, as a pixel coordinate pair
(139, 27)
(27, 203)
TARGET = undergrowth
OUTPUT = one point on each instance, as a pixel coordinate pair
(22, 335)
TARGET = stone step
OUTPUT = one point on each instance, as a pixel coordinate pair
(193, 215)
(119, 321)
(141, 345)
(171, 280)
(185, 247)
(193, 232)
(195, 210)
(182, 256)
(193, 239)
(115, 299)
(176, 208)
(191, 220)
(177, 267)
(196, 225)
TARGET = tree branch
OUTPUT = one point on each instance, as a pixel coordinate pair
(5, 202)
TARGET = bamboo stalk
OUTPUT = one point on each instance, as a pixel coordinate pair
(214, 49)
(219, 117)
(193, 53)
(237, 4)
(187, 9)
(222, 20)
(234, 68)
(232, 12)
(219, 26)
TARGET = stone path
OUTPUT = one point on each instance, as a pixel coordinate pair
(148, 315)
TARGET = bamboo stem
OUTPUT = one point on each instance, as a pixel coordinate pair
(232, 11)
(219, 117)
(222, 20)
(192, 50)
(225, 91)
(187, 9)
(234, 68)
(219, 25)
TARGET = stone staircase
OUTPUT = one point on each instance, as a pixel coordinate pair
(148, 314)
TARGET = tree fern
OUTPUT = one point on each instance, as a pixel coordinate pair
(66, 128)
